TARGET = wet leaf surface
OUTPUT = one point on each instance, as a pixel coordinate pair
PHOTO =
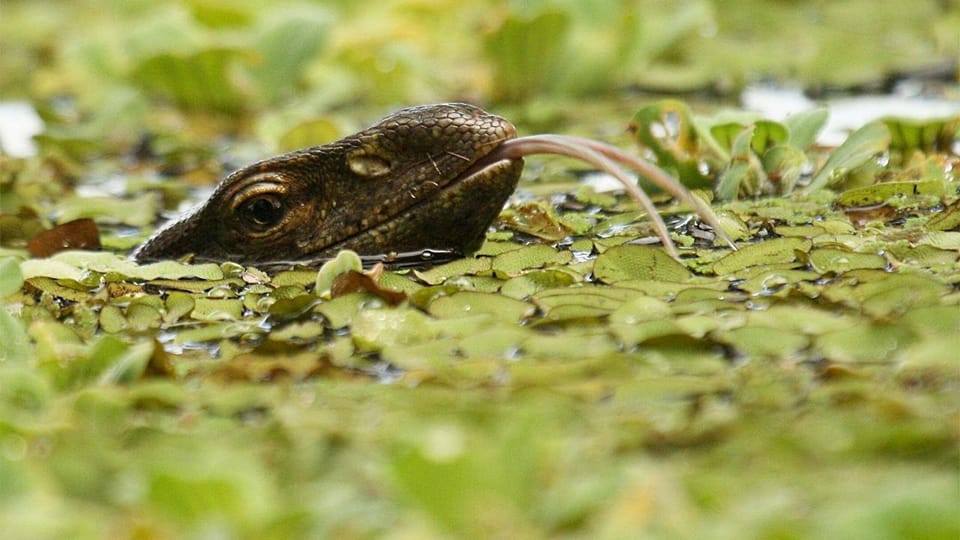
(621, 263)
(860, 146)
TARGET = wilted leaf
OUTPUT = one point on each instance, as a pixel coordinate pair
(359, 282)
(345, 261)
(77, 234)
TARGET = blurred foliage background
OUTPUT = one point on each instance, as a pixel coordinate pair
(141, 98)
(258, 66)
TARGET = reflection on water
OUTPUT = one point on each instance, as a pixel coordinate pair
(19, 122)
(846, 113)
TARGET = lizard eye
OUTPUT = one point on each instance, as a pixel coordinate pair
(262, 211)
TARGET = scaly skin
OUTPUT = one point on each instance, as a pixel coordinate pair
(416, 180)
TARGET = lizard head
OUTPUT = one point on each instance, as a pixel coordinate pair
(423, 177)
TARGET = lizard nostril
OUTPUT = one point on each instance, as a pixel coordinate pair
(369, 165)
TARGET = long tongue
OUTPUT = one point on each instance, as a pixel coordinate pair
(605, 158)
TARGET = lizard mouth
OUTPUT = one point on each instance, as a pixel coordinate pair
(485, 165)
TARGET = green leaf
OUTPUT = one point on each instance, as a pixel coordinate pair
(865, 343)
(744, 174)
(727, 132)
(861, 146)
(219, 13)
(514, 263)
(929, 135)
(571, 303)
(375, 329)
(217, 309)
(767, 134)
(879, 193)
(757, 341)
(11, 278)
(139, 211)
(285, 48)
(199, 81)
(778, 250)
(527, 53)
(309, 133)
(622, 263)
(523, 286)
(826, 260)
(466, 266)
(783, 165)
(805, 126)
(127, 363)
(14, 343)
(74, 265)
(467, 303)
(668, 129)
(344, 262)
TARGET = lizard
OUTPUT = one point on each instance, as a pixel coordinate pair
(428, 177)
